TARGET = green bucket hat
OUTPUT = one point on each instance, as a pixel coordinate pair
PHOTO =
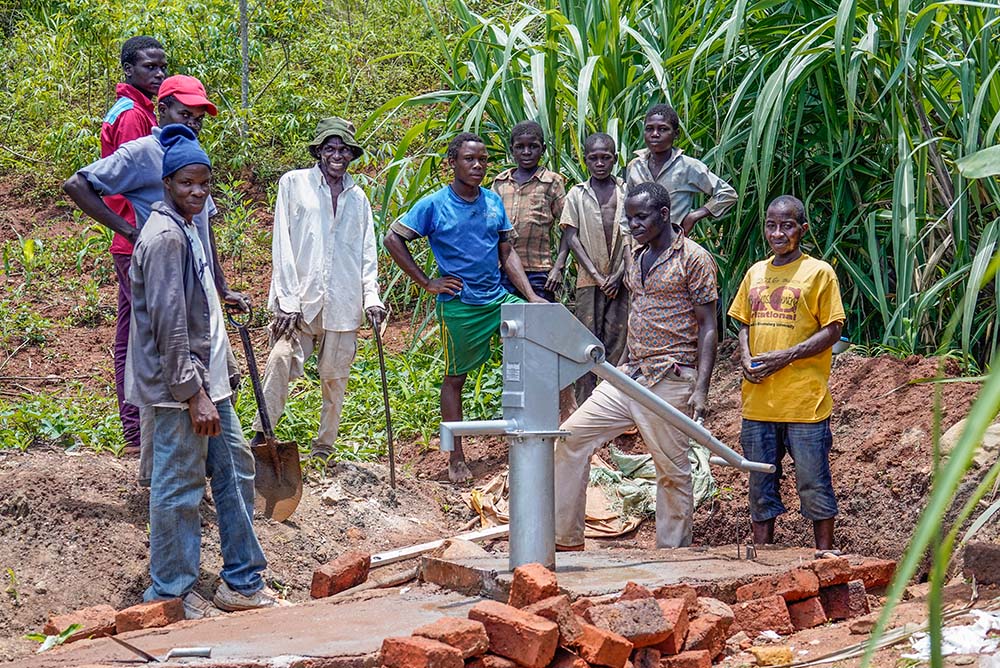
(335, 127)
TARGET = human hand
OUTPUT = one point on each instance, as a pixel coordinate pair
(376, 314)
(765, 364)
(535, 299)
(749, 370)
(236, 299)
(446, 285)
(697, 402)
(133, 235)
(204, 416)
(554, 280)
(285, 324)
(612, 284)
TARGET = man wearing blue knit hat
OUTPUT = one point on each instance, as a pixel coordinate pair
(177, 368)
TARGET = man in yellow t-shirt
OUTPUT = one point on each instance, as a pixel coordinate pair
(792, 315)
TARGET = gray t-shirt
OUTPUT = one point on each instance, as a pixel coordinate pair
(135, 170)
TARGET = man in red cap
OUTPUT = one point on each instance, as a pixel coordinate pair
(134, 171)
(130, 117)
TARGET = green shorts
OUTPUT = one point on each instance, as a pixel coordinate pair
(466, 331)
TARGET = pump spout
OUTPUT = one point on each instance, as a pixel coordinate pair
(450, 429)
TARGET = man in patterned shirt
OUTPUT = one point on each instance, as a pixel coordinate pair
(670, 350)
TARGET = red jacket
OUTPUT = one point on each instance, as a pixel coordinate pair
(130, 117)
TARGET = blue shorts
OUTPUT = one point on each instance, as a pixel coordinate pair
(809, 446)
(537, 280)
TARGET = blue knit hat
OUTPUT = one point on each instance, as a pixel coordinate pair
(180, 149)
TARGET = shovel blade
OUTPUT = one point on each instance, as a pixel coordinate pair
(278, 479)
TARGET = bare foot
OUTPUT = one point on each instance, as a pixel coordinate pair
(458, 472)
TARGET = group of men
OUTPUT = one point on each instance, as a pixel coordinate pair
(643, 287)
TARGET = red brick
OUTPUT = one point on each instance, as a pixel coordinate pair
(95, 622)
(532, 583)
(567, 659)
(150, 615)
(557, 609)
(982, 562)
(634, 591)
(465, 635)
(646, 657)
(806, 614)
(675, 611)
(874, 573)
(681, 590)
(845, 601)
(694, 659)
(603, 648)
(640, 621)
(490, 661)
(706, 633)
(831, 572)
(795, 585)
(419, 652)
(528, 639)
(713, 606)
(348, 570)
(581, 605)
(763, 614)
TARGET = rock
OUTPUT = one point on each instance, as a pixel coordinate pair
(832, 571)
(738, 643)
(457, 548)
(875, 573)
(772, 655)
(693, 659)
(490, 661)
(863, 625)
(681, 590)
(634, 591)
(713, 606)
(640, 621)
(646, 657)
(600, 647)
(675, 611)
(567, 659)
(557, 609)
(989, 447)
(706, 633)
(845, 601)
(807, 614)
(982, 561)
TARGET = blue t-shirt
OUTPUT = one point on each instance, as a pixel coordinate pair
(465, 239)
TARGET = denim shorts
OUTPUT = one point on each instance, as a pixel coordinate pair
(809, 446)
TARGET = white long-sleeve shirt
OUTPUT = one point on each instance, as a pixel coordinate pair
(323, 262)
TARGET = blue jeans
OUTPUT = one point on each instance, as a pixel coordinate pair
(809, 445)
(535, 278)
(181, 460)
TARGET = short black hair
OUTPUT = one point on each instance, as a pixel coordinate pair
(792, 202)
(460, 139)
(133, 45)
(668, 113)
(658, 195)
(527, 128)
(599, 138)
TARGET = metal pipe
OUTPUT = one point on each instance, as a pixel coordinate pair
(532, 501)
(450, 429)
(682, 422)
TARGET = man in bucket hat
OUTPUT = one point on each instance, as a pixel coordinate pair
(324, 277)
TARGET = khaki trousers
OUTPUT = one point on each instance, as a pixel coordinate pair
(335, 353)
(607, 414)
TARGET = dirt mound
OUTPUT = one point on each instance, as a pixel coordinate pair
(73, 532)
(881, 458)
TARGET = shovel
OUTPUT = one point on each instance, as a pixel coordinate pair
(278, 477)
(385, 400)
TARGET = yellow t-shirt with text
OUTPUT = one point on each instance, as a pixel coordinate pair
(784, 306)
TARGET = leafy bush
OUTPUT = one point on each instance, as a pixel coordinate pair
(71, 419)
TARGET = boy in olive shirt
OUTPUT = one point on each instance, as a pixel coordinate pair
(792, 315)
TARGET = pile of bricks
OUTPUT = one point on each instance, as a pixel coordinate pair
(668, 627)
(100, 621)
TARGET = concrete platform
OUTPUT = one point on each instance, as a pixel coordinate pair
(714, 571)
(317, 634)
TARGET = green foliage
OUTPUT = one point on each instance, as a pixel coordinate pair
(308, 59)
(48, 642)
(90, 312)
(70, 419)
(21, 325)
(414, 381)
(861, 109)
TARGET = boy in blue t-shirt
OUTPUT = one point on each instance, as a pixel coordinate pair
(468, 232)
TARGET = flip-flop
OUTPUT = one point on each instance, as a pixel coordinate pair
(827, 554)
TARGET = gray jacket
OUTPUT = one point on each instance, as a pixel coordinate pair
(170, 334)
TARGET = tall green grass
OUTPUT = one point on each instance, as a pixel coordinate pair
(859, 108)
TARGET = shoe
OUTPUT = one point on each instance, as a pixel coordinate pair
(569, 548)
(131, 452)
(197, 606)
(233, 601)
(321, 451)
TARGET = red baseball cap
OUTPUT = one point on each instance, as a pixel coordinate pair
(188, 91)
